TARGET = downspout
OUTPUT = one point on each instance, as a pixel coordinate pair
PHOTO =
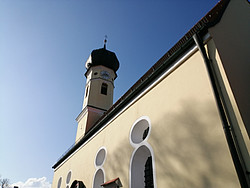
(232, 142)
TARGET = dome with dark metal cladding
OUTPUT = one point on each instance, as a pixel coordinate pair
(103, 57)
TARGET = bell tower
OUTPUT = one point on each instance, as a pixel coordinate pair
(101, 66)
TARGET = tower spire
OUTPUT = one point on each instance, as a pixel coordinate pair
(105, 41)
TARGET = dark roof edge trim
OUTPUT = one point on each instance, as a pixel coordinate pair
(201, 28)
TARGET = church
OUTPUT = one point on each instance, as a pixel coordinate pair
(184, 123)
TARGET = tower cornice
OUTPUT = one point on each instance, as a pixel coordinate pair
(89, 108)
(101, 79)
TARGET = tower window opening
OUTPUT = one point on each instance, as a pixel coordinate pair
(87, 90)
(104, 89)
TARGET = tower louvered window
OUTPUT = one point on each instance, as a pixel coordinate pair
(87, 90)
(148, 174)
(104, 89)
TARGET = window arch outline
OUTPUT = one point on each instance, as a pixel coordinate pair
(100, 169)
(68, 177)
(142, 152)
(136, 156)
(99, 175)
(98, 155)
(59, 182)
(137, 130)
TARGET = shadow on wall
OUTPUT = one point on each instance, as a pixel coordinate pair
(118, 163)
(190, 148)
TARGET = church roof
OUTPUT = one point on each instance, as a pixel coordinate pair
(201, 28)
(103, 57)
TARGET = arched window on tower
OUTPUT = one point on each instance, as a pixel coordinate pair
(87, 90)
(104, 89)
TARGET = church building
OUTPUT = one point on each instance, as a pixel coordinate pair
(184, 123)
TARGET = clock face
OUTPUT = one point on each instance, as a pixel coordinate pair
(105, 75)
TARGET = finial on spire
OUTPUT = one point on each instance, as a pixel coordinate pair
(105, 41)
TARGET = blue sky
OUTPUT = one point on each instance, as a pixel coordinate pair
(43, 47)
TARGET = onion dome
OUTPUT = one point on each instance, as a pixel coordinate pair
(103, 57)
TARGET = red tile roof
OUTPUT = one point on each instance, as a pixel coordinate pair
(111, 181)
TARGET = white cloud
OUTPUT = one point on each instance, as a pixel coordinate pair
(33, 183)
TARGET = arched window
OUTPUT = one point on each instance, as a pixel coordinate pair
(68, 178)
(100, 157)
(59, 183)
(142, 163)
(104, 89)
(140, 131)
(142, 168)
(98, 179)
(99, 176)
